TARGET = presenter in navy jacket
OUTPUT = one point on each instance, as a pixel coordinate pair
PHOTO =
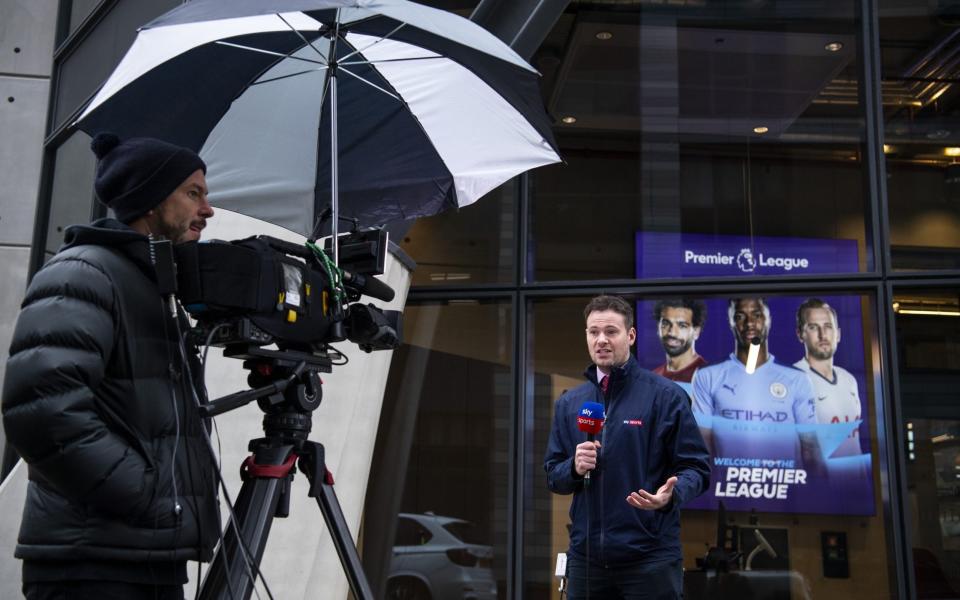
(648, 460)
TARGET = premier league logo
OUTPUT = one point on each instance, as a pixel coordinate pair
(745, 260)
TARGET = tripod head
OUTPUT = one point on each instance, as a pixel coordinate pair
(286, 386)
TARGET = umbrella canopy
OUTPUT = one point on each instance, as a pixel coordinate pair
(431, 110)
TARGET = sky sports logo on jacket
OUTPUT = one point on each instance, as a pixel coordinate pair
(699, 255)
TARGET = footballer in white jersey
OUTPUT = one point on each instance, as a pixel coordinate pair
(837, 395)
(837, 401)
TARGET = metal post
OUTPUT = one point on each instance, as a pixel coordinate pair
(334, 185)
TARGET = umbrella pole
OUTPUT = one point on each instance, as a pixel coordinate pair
(334, 183)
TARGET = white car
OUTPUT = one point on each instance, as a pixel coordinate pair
(434, 559)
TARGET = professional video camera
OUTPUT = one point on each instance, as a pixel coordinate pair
(251, 293)
(262, 290)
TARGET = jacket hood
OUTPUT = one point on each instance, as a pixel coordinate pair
(102, 232)
(112, 233)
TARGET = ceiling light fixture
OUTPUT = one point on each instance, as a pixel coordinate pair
(604, 35)
(929, 312)
(569, 120)
(951, 151)
(834, 47)
(761, 129)
(927, 307)
(939, 93)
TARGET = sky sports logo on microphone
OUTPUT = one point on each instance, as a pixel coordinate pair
(590, 418)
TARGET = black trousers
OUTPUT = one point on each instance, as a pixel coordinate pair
(100, 590)
(654, 581)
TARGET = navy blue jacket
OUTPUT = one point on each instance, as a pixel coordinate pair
(649, 435)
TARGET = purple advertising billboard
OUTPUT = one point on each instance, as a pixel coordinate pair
(791, 436)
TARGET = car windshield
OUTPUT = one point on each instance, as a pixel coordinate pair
(463, 531)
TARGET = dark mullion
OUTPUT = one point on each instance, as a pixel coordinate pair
(71, 41)
(719, 288)
(769, 281)
(938, 277)
(876, 171)
(891, 445)
(516, 573)
(891, 450)
(518, 443)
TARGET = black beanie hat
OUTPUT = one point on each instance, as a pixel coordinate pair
(136, 175)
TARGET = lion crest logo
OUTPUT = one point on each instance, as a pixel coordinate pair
(746, 261)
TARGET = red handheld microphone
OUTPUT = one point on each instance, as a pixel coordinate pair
(590, 421)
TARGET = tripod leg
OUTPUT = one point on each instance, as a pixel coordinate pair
(336, 523)
(229, 577)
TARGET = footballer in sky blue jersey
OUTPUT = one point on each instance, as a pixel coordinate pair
(744, 415)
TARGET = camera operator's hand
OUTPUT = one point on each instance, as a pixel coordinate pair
(585, 458)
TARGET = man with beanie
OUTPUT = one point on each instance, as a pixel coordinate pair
(100, 398)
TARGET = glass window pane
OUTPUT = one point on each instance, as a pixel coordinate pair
(795, 453)
(89, 65)
(80, 10)
(475, 244)
(695, 130)
(928, 330)
(918, 42)
(441, 464)
(72, 196)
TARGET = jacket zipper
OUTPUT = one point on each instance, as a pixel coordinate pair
(603, 401)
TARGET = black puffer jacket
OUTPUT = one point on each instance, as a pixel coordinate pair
(97, 401)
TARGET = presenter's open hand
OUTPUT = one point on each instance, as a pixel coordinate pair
(585, 458)
(644, 500)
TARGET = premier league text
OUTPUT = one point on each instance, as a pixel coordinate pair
(758, 478)
(787, 263)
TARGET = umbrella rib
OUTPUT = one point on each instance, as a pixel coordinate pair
(270, 52)
(388, 60)
(262, 81)
(323, 59)
(373, 85)
(374, 43)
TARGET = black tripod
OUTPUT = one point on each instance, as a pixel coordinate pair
(288, 390)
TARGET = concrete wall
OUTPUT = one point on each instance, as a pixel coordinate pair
(26, 50)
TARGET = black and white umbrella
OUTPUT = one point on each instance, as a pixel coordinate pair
(429, 110)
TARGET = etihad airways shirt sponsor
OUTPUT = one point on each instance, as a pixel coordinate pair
(753, 408)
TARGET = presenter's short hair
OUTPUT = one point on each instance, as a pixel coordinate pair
(614, 303)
